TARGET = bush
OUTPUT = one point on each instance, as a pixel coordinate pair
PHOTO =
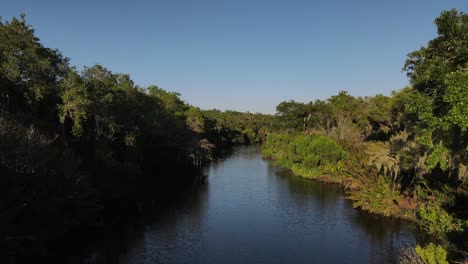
(432, 254)
(436, 220)
(376, 196)
(309, 156)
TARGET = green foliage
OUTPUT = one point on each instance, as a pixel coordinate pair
(291, 114)
(428, 66)
(380, 157)
(432, 254)
(66, 134)
(29, 74)
(75, 102)
(170, 101)
(376, 195)
(397, 147)
(439, 157)
(307, 155)
(417, 136)
(439, 101)
(456, 96)
(275, 145)
(322, 115)
(234, 128)
(436, 220)
(195, 119)
(105, 134)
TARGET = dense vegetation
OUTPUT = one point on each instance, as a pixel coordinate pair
(237, 128)
(404, 155)
(75, 144)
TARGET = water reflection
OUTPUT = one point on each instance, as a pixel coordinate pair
(383, 235)
(250, 211)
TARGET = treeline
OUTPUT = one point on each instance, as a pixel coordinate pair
(404, 155)
(238, 128)
(75, 143)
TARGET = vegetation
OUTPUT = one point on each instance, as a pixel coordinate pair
(431, 254)
(404, 155)
(311, 156)
(231, 127)
(75, 144)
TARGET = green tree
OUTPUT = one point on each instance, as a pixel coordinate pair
(292, 115)
(29, 72)
(438, 75)
(170, 100)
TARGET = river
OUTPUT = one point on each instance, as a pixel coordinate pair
(250, 211)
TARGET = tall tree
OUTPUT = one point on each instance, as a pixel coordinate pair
(29, 72)
(438, 74)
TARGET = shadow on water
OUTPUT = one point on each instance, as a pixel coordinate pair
(105, 244)
(303, 189)
(245, 211)
(108, 245)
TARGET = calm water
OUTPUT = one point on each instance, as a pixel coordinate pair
(250, 211)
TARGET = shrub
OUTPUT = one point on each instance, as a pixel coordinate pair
(436, 220)
(432, 254)
(376, 196)
(309, 156)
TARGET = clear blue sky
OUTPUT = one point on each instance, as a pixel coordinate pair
(241, 54)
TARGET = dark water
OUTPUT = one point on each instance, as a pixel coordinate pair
(250, 211)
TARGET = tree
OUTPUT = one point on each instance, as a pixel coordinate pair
(292, 114)
(438, 74)
(170, 100)
(29, 72)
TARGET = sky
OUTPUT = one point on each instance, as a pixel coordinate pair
(245, 55)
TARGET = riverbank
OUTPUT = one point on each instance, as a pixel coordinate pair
(352, 186)
(318, 157)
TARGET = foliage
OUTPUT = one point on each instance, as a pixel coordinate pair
(436, 220)
(376, 196)
(293, 115)
(456, 96)
(232, 127)
(438, 75)
(407, 151)
(94, 133)
(32, 68)
(170, 101)
(379, 156)
(308, 155)
(432, 254)
(93, 137)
